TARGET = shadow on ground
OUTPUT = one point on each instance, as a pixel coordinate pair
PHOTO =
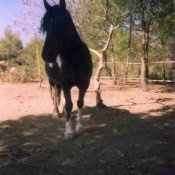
(114, 142)
(165, 88)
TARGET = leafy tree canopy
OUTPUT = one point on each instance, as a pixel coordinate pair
(11, 45)
(30, 48)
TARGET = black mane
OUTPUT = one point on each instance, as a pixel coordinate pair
(45, 22)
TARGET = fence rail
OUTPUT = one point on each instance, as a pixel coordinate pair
(162, 62)
(122, 78)
(118, 78)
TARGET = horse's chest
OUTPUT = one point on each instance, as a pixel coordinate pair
(66, 71)
(58, 61)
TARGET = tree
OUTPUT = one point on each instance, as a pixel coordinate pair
(144, 58)
(11, 45)
(24, 60)
(166, 29)
(143, 15)
(29, 57)
(101, 56)
(28, 23)
(102, 19)
(130, 15)
(30, 48)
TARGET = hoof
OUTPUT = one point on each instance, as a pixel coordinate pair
(55, 116)
(79, 130)
(68, 136)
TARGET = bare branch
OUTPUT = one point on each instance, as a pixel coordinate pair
(111, 29)
(106, 16)
(103, 18)
(95, 52)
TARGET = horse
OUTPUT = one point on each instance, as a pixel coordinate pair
(3, 65)
(68, 62)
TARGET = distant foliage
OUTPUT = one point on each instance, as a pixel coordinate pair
(10, 45)
(30, 48)
(22, 62)
(159, 29)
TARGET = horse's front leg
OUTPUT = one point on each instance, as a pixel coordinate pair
(80, 103)
(68, 134)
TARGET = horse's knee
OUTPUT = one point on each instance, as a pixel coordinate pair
(69, 106)
(80, 103)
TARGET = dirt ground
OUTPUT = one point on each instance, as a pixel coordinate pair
(134, 135)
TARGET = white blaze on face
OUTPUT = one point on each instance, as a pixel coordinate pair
(58, 61)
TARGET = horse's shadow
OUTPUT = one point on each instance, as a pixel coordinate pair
(112, 138)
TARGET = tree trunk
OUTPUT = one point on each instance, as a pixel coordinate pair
(38, 59)
(143, 75)
(144, 62)
(99, 101)
(144, 84)
(146, 50)
(172, 53)
(101, 55)
(113, 64)
(129, 49)
(163, 66)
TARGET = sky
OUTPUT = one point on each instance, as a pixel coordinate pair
(15, 10)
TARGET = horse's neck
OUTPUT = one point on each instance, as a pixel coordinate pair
(74, 37)
(72, 48)
(72, 43)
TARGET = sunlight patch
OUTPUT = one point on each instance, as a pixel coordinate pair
(29, 133)
(156, 114)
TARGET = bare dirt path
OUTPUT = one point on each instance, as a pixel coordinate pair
(133, 135)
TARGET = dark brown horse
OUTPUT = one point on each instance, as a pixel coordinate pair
(68, 61)
(3, 65)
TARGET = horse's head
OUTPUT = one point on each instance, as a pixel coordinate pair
(54, 24)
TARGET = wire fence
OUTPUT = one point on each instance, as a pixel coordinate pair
(159, 71)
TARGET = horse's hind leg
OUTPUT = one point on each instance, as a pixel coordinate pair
(62, 110)
(55, 91)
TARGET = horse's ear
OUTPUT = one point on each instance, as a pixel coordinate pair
(47, 6)
(63, 4)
